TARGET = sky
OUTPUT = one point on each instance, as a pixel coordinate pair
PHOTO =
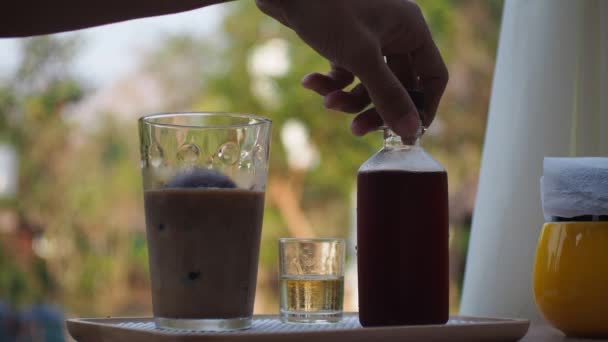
(111, 51)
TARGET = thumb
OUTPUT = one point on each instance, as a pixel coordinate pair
(392, 101)
(273, 8)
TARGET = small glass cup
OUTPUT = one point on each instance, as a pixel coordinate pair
(311, 280)
(204, 177)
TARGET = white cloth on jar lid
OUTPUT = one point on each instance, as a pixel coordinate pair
(573, 187)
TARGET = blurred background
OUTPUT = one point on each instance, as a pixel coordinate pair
(72, 234)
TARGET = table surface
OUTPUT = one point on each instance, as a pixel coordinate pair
(542, 332)
(545, 333)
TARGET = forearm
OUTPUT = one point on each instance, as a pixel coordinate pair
(19, 18)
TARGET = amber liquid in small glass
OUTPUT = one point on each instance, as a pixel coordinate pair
(322, 295)
(402, 247)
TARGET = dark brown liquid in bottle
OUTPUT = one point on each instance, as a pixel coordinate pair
(402, 247)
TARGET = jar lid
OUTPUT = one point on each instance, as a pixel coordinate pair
(575, 189)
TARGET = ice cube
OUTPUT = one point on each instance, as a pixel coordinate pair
(201, 178)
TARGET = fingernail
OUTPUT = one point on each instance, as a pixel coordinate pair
(305, 81)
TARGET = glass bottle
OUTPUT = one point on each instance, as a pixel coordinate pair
(402, 236)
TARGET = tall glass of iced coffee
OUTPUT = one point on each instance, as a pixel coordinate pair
(204, 176)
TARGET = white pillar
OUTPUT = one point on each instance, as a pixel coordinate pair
(549, 98)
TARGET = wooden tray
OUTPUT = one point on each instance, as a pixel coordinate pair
(271, 329)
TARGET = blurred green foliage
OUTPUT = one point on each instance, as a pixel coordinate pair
(79, 204)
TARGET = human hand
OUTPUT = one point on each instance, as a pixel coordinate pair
(355, 36)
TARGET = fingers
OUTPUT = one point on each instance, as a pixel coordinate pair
(331, 85)
(416, 61)
(433, 77)
(336, 79)
(353, 101)
(403, 67)
(273, 9)
(427, 62)
(387, 93)
(366, 122)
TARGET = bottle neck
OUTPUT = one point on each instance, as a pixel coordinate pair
(393, 141)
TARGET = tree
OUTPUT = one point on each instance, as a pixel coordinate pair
(77, 193)
(30, 103)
